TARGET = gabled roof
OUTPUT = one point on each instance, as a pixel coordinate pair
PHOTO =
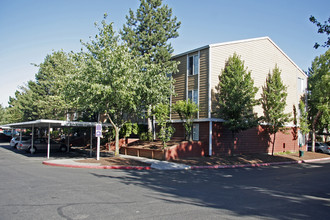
(237, 42)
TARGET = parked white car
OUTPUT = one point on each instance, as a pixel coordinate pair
(319, 147)
(15, 140)
(41, 144)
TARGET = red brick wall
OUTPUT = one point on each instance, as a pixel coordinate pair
(184, 150)
(254, 140)
(203, 135)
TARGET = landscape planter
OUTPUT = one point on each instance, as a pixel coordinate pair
(183, 150)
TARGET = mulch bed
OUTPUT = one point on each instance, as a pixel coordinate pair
(114, 161)
(154, 144)
(214, 160)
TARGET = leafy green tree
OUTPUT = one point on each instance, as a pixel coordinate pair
(3, 115)
(108, 79)
(162, 113)
(236, 94)
(22, 107)
(322, 28)
(42, 98)
(147, 32)
(273, 102)
(303, 118)
(187, 111)
(319, 94)
(50, 101)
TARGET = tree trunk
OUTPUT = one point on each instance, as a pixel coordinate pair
(273, 144)
(232, 143)
(117, 140)
(313, 139)
(117, 130)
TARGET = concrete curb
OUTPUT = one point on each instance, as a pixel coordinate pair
(186, 167)
(97, 166)
(257, 164)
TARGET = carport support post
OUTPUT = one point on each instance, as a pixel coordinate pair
(32, 141)
(48, 144)
(20, 136)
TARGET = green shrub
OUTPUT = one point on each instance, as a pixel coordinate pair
(146, 136)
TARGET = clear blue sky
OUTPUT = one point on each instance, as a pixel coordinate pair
(31, 29)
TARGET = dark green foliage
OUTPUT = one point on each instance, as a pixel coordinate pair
(318, 96)
(187, 111)
(147, 33)
(162, 113)
(236, 94)
(42, 98)
(3, 115)
(146, 136)
(273, 102)
(148, 30)
(322, 29)
(303, 119)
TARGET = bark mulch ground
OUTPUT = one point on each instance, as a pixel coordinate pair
(114, 161)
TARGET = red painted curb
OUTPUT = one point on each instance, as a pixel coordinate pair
(98, 167)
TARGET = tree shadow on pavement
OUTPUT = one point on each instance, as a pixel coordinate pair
(281, 192)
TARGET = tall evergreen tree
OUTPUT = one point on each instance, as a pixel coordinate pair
(318, 97)
(236, 94)
(273, 102)
(147, 33)
(303, 118)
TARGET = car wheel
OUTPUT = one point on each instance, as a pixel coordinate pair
(15, 146)
(63, 148)
(32, 150)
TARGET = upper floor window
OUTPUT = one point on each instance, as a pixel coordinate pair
(193, 66)
(301, 85)
(193, 95)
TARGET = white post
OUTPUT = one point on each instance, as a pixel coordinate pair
(98, 148)
(210, 138)
(48, 144)
(91, 144)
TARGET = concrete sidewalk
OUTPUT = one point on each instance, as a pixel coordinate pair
(155, 164)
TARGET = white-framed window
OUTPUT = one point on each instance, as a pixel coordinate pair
(193, 95)
(195, 132)
(301, 85)
(193, 65)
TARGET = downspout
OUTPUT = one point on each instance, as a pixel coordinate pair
(209, 103)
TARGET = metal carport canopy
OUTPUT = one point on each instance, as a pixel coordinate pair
(47, 123)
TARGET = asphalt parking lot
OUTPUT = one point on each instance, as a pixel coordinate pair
(31, 190)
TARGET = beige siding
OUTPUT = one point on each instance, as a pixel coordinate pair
(180, 83)
(260, 56)
(199, 82)
(203, 83)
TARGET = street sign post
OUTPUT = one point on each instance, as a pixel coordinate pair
(98, 134)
